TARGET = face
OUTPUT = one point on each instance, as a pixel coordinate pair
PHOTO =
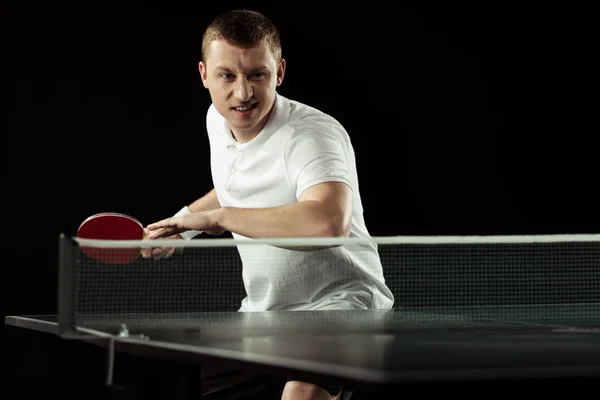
(242, 84)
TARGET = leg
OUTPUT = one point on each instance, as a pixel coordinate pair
(299, 390)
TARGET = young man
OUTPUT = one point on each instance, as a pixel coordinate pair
(280, 169)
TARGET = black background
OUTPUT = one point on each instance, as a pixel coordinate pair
(465, 120)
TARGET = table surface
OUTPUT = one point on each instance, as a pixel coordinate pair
(367, 346)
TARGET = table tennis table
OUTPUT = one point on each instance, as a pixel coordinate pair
(371, 351)
(470, 313)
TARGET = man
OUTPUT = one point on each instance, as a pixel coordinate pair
(280, 169)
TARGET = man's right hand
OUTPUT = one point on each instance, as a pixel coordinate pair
(158, 253)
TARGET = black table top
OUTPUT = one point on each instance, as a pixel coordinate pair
(377, 346)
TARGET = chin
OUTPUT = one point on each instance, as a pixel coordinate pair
(246, 122)
(245, 127)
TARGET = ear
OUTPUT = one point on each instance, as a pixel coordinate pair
(203, 72)
(280, 72)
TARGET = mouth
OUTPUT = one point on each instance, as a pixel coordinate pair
(245, 109)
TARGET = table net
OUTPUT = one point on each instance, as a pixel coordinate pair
(471, 276)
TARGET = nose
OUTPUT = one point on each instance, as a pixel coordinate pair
(243, 90)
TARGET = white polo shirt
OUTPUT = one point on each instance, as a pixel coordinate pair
(299, 147)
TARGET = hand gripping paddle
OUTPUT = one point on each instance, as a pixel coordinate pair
(111, 226)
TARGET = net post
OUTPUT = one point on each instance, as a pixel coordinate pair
(66, 285)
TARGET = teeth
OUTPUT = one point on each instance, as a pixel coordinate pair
(243, 108)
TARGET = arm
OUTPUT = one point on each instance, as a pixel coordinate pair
(323, 210)
(207, 202)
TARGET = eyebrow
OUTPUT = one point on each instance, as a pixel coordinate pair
(223, 68)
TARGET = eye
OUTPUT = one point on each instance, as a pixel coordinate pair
(226, 75)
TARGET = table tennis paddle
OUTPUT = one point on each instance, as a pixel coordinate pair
(111, 226)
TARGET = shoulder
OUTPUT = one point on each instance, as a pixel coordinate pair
(302, 114)
(212, 115)
(214, 122)
(308, 121)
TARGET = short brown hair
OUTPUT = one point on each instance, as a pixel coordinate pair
(244, 28)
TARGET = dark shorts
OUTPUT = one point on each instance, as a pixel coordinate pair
(241, 381)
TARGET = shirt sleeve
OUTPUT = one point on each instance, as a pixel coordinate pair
(315, 156)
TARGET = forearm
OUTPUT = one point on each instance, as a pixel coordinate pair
(303, 219)
(207, 202)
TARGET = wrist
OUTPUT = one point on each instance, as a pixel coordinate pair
(184, 211)
(217, 217)
(187, 235)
